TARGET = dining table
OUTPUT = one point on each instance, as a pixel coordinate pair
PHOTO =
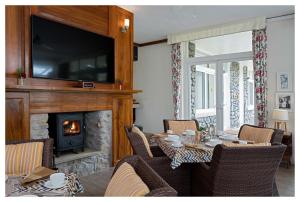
(13, 187)
(188, 151)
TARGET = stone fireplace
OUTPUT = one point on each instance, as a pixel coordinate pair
(97, 153)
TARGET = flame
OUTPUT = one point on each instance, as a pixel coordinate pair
(73, 126)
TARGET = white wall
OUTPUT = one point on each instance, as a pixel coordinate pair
(152, 73)
(281, 58)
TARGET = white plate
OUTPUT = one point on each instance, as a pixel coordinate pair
(28, 195)
(213, 143)
(50, 186)
(229, 137)
(177, 145)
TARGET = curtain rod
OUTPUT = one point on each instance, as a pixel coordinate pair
(280, 16)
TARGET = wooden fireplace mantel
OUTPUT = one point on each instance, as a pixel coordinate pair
(69, 90)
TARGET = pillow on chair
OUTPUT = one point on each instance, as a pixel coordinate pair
(258, 135)
(142, 135)
(178, 127)
(22, 159)
(126, 182)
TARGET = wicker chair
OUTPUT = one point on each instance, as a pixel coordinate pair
(156, 185)
(190, 124)
(47, 160)
(179, 178)
(238, 171)
(276, 136)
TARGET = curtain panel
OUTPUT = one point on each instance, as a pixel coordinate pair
(176, 77)
(259, 43)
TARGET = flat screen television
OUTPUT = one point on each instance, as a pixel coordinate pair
(63, 52)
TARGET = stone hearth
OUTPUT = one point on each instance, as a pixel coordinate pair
(98, 143)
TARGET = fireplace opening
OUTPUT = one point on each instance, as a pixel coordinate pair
(68, 131)
(71, 127)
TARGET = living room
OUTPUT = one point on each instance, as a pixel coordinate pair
(149, 100)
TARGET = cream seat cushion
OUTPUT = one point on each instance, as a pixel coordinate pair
(126, 182)
(178, 127)
(258, 135)
(22, 159)
(142, 135)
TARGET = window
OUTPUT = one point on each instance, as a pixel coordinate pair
(219, 84)
(221, 45)
(205, 90)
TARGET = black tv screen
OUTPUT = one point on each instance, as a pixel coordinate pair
(63, 52)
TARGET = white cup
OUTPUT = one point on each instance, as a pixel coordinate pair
(169, 131)
(242, 142)
(57, 179)
(190, 132)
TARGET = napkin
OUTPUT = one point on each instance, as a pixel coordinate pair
(37, 174)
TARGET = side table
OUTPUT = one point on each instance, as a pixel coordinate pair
(287, 140)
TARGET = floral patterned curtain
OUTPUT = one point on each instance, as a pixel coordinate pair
(176, 77)
(259, 43)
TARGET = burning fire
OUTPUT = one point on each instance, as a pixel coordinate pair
(71, 127)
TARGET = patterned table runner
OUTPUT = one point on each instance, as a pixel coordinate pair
(185, 154)
(70, 189)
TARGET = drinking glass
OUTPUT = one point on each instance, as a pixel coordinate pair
(66, 171)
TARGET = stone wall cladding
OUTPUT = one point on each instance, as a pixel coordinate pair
(234, 95)
(39, 126)
(207, 121)
(248, 114)
(99, 130)
(86, 166)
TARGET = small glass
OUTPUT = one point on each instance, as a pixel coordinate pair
(66, 171)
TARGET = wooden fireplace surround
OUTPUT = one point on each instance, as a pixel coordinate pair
(38, 96)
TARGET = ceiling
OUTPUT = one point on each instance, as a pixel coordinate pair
(153, 23)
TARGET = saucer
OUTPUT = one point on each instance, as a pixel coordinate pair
(50, 186)
(213, 143)
(177, 145)
(170, 139)
(228, 137)
(28, 195)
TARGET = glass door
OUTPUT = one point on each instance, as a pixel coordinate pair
(222, 93)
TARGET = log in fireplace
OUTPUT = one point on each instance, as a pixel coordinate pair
(67, 130)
